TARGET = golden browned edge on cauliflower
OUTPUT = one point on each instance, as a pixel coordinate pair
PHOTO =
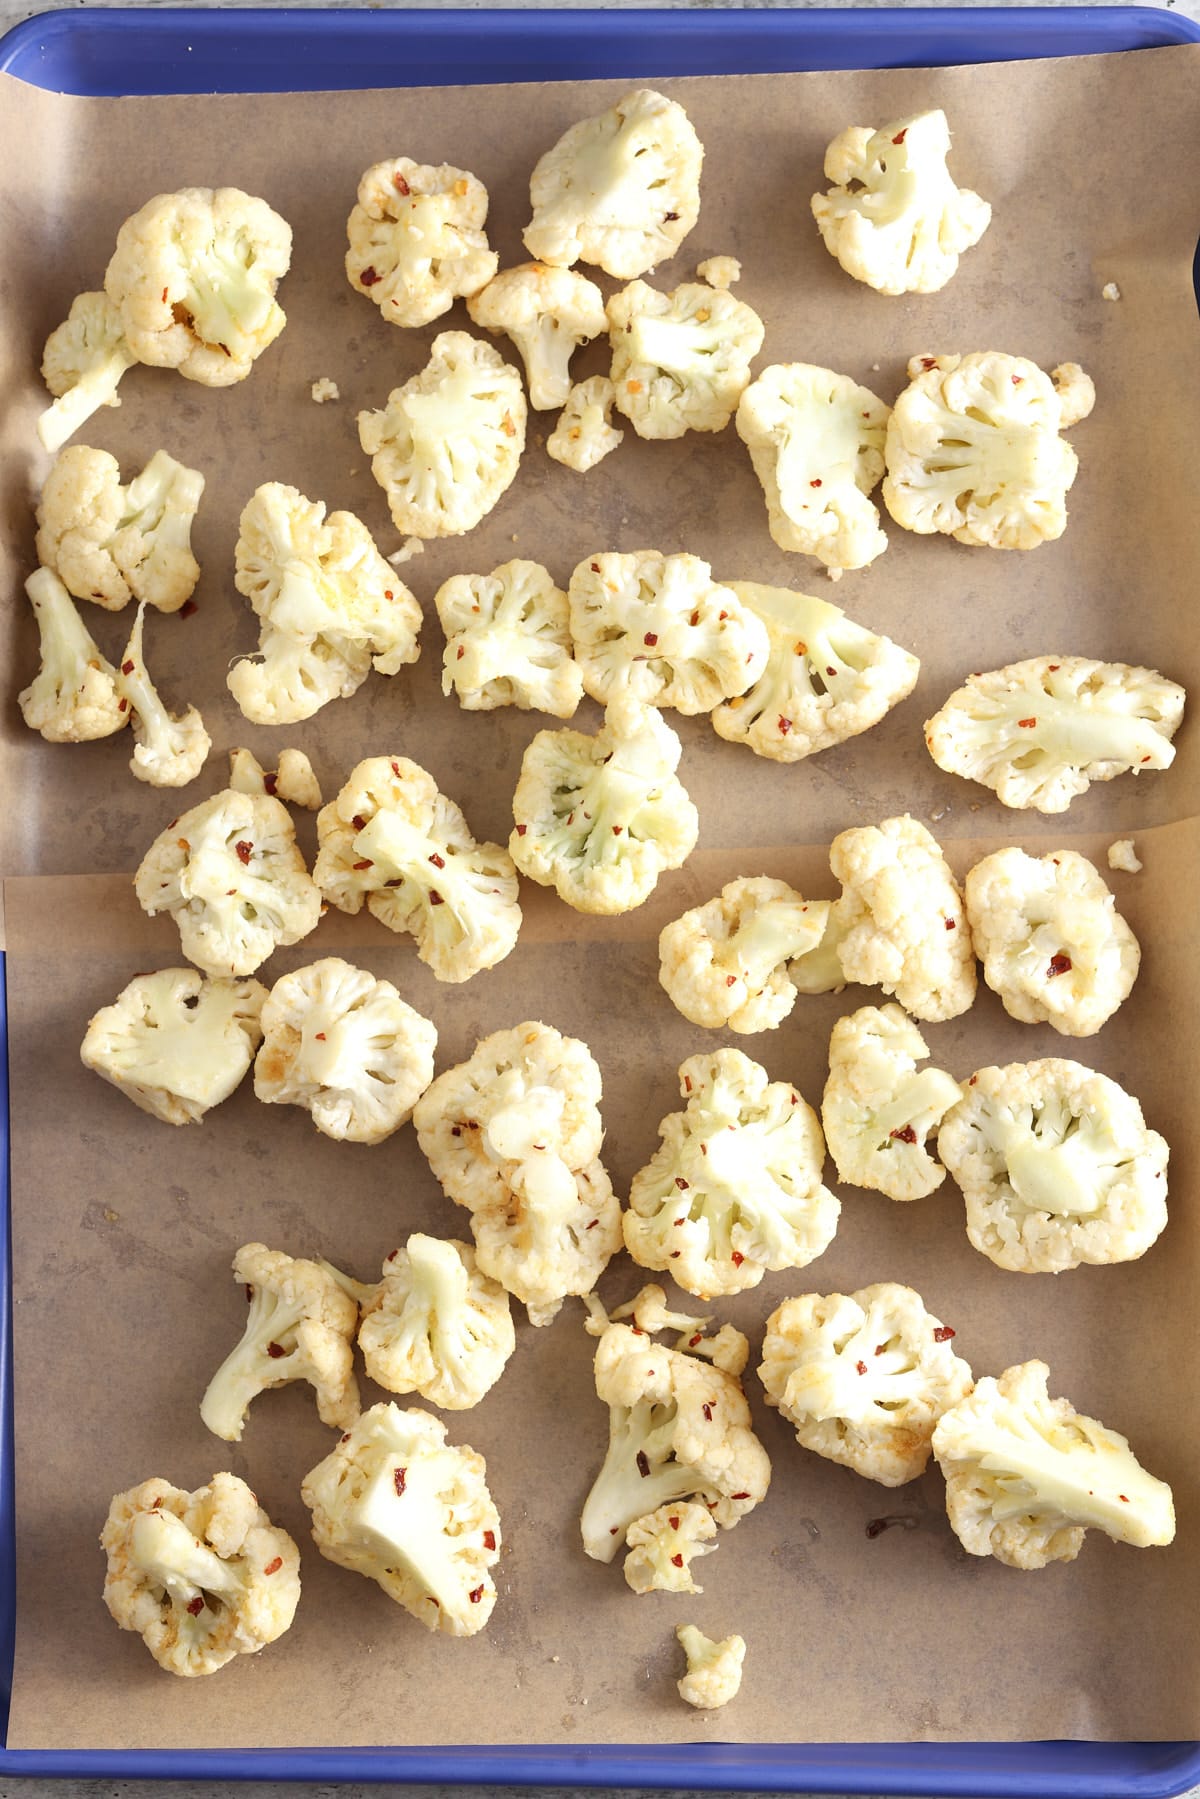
(680, 361)
(417, 239)
(548, 313)
(508, 641)
(724, 964)
(878, 1110)
(714, 1670)
(112, 543)
(663, 1546)
(169, 751)
(584, 434)
(75, 697)
(437, 1325)
(175, 1043)
(293, 781)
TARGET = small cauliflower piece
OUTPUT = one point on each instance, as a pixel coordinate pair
(110, 543)
(293, 781)
(724, 965)
(1110, 291)
(324, 390)
(878, 1111)
(175, 1043)
(1123, 857)
(714, 1670)
(820, 970)
(1028, 1476)
(1041, 731)
(417, 239)
(168, 751)
(1076, 393)
(394, 1501)
(648, 1310)
(548, 313)
(816, 442)
(681, 361)
(600, 818)
(663, 1546)
(83, 362)
(584, 434)
(436, 1325)
(202, 1577)
(720, 271)
(621, 190)
(75, 697)
(508, 641)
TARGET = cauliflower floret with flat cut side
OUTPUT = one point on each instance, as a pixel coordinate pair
(508, 641)
(878, 1110)
(826, 680)
(1028, 1476)
(346, 1047)
(110, 543)
(863, 1377)
(202, 1577)
(1052, 943)
(895, 218)
(436, 1325)
(1056, 1166)
(417, 239)
(548, 313)
(293, 781)
(681, 361)
(175, 1043)
(75, 697)
(721, 272)
(724, 965)
(663, 1546)
(621, 190)
(168, 751)
(600, 818)
(1123, 858)
(82, 364)
(714, 1670)
(584, 434)
(1041, 731)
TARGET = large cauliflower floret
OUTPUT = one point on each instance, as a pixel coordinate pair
(973, 451)
(901, 914)
(345, 1046)
(734, 1189)
(1052, 943)
(661, 630)
(1039, 732)
(1027, 1476)
(864, 1377)
(878, 1111)
(448, 443)
(508, 641)
(75, 697)
(202, 1577)
(663, 1546)
(681, 361)
(548, 313)
(83, 362)
(417, 239)
(895, 218)
(110, 543)
(600, 818)
(1056, 1166)
(437, 1325)
(169, 751)
(725, 964)
(392, 839)
(621, 190)
(396, 1502)
(826, 678)
(175, 1043)
(816, 441)
(714, 1670)
(584, 434)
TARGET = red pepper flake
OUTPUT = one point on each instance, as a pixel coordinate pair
(388, 594)
(739, 1495)
(195, 1606)
(401, 185)
(692, 1342)
(475, 1595)
(186, 610)
(399, 1480)
(1124, 1498)
(1059, 963)
(365, 863)
(675, 1254)
(435, 898)
(460, 653)
(900, 136)
(737, 1258)
(320, 1036)
(687, 1081)
(396, 770)
(489, 1539)
(345, 1437)
(677, 1561)
(245, 850)
(795, 1099)
(681, 1183)
(707, 1410)
(617, 829)
(650, 639)
(1145, 758)
(942, 1333)
(1027, 724)
(904, 1133)
(674, 1523)
(369, 277)
(1017, 380)
(861, 1366)
(271, 782)
(950, 924)
(880, 1348)
(831, 671)
(643, 1466)
(972, 1080)
(127, 668)
(816, 483)
(273, 1567)
(595, 567)
(521, 830)
(722, 615)
(730, 980)
(695, 619)
(275, 1350)
(438, 861)
(123, 706)
(670, 217)
(1054, 667)
(785, 725)
(677, 1222)
(359, 822)
(929, 362)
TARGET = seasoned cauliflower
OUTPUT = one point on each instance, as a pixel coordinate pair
(417, 239)
(293, 781)
(168, 751)
(681, 361)
(1123, 857)
(714, 1670)
(83, 362)
(725, 964)
(600, 818)
(508, 641)
(110, 543)
(75, 696)
(392, 839)
(663, 1546)
(1056, 1166)
(447, 444)
(878, 1111)
(720, 271)
(175, 1043)
(202, 1577)
(584, 434)
(548, 313)
(621, 190)
(345, 1046)
(1039, 732)
(820, 970)
(648, 1311)
(1028, 1476)
(436, 1325)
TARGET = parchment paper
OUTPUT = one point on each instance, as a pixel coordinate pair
(123, 1233)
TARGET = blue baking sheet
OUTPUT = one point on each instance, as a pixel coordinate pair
(125, 51)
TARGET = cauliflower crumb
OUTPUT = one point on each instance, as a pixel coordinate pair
(324, 389)
(412, 546)
(1110, 291)
(584, 434)
(720, 271)
(714, 1671)
(1123, 856)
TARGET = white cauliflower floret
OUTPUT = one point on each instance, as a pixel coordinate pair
(548, 313)
(820, 970)
(648, 1311)
(1076, 393)
(75, 696)
(663, 1546)
(175, 1043)
(714, 1670)
(396, 1502)
(436, 1325)
(202, 1577)
(1052, 943)
(600, 818)
(720, 271)
(323, 390)
(169, 751)
(826, 680)
(293, 781)
(877, 1110)
(508, 641)
(621, 190)
(448, 443)
(901, 915)
(230, 872)
(1056, 1166)
(681, 361)
(584, 434)
(1123, 857)
(110, 543)
(895, 218)
(417, 239)
(345, 1046)
(392, 839)
(1027, 1476)
(1039, 732)
(863, 1377)
(725, 964)
(83, 362)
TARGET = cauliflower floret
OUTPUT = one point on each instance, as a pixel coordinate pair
(725, 964)
(392, 839)
(508, 641)
(681, 361)
(396, 1502)
(1039, 732)
(548, 313)
(1076, 393)
(621, 189)
(202, 1577)
(1027, 1476)
(110, 543)
(1052, 943)
(1056, 1166)
(720, 271)
(417, 239)
(820, 970)
(877, 1110)
(324, 389)
(175, 1043)
(75, 696)
(448, 443)
(895, 219)
(648, 1311)
(864, 1377)
(231, 873)
(437, 1325)
(901, 914)
(345, 1046)
(1123, 857)
(973, 451)
(714, 1670)
(83, 362)
(169, 751)
(663, 1546)
(826, 679)
(293, 781)
(600, 818)
(584, 434)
